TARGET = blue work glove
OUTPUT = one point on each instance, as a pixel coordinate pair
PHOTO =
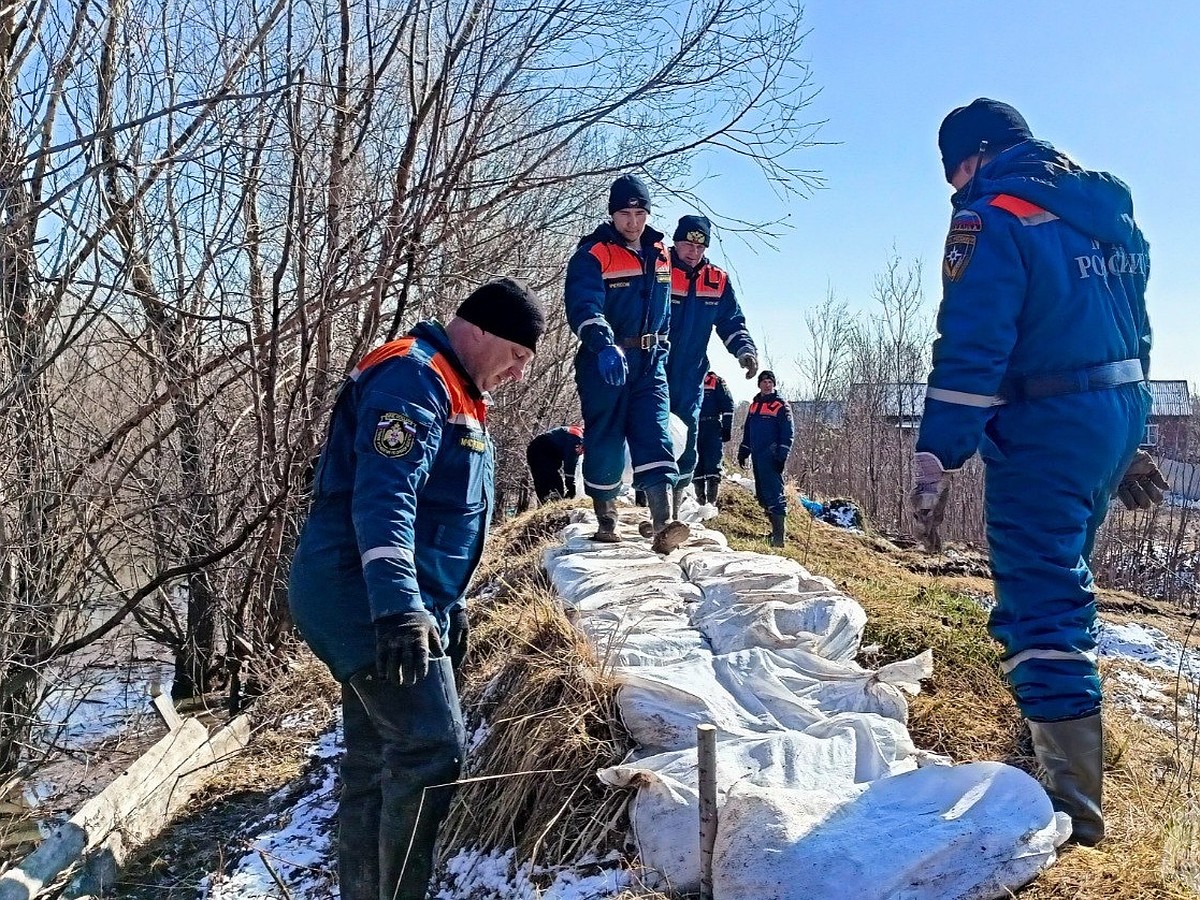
(927, 500)
(403, 644)
(459, 629)
(612, 365)
(1143, 483)
(749, 362)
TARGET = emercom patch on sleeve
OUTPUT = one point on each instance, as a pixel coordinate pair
(395, 435)
(960, 243)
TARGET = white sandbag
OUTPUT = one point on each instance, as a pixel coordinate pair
(969, 832)
(665, 814)
(640, 637)
(744, 565)
(679, 596)
(662, 705)
(799, 688)
(827, 624)
(576, 575)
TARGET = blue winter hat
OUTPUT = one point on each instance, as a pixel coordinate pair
(628, 191)
(696, 229)
(982, 120)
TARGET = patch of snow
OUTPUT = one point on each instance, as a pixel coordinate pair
(489, 876)
(1148, 645)
(298, 849)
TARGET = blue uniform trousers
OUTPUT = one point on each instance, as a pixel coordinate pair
(401, 741)
(768, 482)
(708, 449)
(637, 412)
(685, 404)
(1052, 467)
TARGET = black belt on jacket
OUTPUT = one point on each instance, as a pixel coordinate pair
(1094, 378)
(645, 342)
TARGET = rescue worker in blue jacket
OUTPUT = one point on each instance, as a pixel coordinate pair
(402, 500)
(767, 441)
(1040, 365)
(714, 430)
(701, 298)
(618, 303)
(553, 457)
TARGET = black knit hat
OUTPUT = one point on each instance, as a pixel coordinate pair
(628, 191)
(765, 374)
(966, 127)
(507, 308)
(696, 229)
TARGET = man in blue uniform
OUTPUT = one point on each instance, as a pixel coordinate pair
(402, 499)
(701, 298)
(767, 441)
(617, 296)
(714, 430)
(1040, 365)
(553, 456)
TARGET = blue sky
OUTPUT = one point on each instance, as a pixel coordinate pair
(1115, 85)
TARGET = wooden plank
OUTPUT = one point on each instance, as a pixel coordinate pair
(134, 808)
(165, 708)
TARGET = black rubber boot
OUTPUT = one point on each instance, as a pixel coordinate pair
(606, 515)
(778, 529)
(701, 490)
(668, 534)
(1072, 755)
(677, 500)
(713, 490)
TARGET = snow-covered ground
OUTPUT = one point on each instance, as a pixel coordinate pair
(1174, 671)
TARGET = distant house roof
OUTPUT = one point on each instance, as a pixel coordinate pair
(1170, 398)
(904, 400)
(827, 412)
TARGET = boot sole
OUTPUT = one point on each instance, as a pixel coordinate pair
(674, 534)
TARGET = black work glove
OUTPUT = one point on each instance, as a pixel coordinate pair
(460, 627)
(780, 459)
(743, 456)
(403, 644)
(726, 432)
(1143, 484)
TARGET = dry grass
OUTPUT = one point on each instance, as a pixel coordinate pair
(550, 712)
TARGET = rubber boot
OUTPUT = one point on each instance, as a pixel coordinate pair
(677, 500)
(668, 533)
(701, 490)
(606, 515)
(778, 532)
(713, 490)
(1072, 755)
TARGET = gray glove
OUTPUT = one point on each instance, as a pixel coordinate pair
(927, 500)
(403, 644)
(1143, 483)
(749, 362)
